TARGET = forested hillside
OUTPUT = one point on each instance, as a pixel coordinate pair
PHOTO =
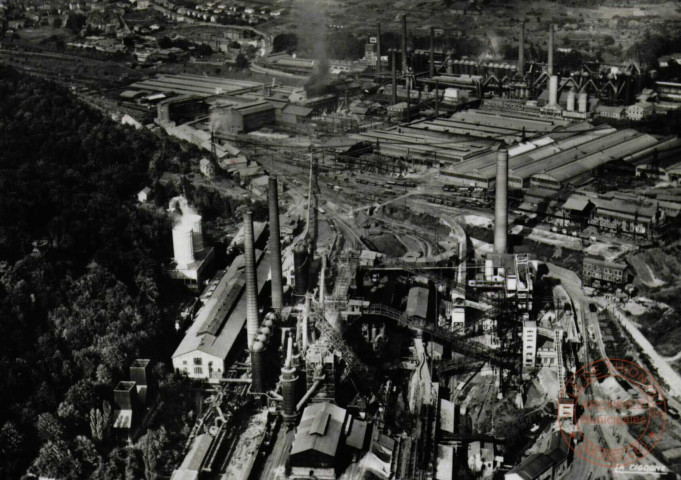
(75, 311)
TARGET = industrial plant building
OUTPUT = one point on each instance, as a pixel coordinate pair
(325, 435)
(219, 322)
(599, 273)
(568, 157)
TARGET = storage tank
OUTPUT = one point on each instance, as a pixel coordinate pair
(258, 367)
(183, 245)
(583, 98)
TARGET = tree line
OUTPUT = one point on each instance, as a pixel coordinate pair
(81, 284)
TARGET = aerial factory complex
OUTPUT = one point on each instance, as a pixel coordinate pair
(424, 246)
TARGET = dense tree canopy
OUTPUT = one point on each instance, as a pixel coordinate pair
(80, 277)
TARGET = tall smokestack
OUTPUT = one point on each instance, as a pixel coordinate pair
(322, 279)
(553, 90)
(500, 204)
(275, 246)
(549, 68)
(432, 52)
(393, 100)
(252, 322)
(521, 49)
(378, 49)
(404, 44)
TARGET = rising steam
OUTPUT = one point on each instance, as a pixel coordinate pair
(183, 214)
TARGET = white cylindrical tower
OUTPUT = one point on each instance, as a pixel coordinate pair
(197, 232)
(583, 97)
(183, 245)
(553, 90)
(571, 101)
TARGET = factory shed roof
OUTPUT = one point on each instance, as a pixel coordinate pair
(278, 103)
(320, 429)
(629, 209)
(417, 302)
(298, 110)
(216, 326)
(528, 153)
(558, 448)
(253, 108)
(632, 144)
(533, 466)
(604, 263)
(356, 437)
(509, 121)
(577, 203)
(597, 142)
(196, 85)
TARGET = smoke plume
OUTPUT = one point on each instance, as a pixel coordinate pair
(182, 212)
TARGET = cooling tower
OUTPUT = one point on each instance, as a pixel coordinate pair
(500, 205)
(252, 322)
(183, 245)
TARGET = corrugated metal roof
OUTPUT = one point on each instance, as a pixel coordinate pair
(356, 437)
(576, 202)
(252, 108)
(596, 142)
(297, 110)
(631, 142)
(307, 435)
(417, 302)
(221, 344)
(533, 466)
(602, 263)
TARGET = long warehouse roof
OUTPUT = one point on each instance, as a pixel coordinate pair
(195, 84)
(590, 162)
(219, 322)
(572, 155)
(484, 166)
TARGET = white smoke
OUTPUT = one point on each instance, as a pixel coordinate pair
(183, 213)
